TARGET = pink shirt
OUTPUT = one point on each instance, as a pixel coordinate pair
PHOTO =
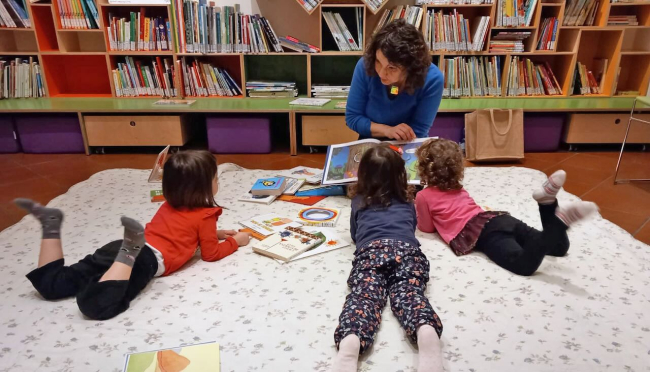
(444, 211)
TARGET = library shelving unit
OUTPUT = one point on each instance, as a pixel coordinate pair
(78, 64)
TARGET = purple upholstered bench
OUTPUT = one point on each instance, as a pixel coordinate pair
(239, 135)
(49, 134)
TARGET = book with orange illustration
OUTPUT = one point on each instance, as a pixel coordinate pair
(192, 358)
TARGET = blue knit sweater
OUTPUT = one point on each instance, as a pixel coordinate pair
(369, 101)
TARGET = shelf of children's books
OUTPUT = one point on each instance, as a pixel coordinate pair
(342, 5)
(214, 97)
(538, 96)
(461, 53)
(93, 30)
(375, 10)
(134, 5)
(242, 54)
(140, 53)
(515, 28)
(541, 53)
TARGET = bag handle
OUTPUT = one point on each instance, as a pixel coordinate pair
(494, 126)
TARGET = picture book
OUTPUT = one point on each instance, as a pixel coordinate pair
(253, 233)
(335, 190)
(287, 244)
(321, 217)
(192, 358)
(157, 171)
(331, 241)
(269, 186)
(309, 101)
(156, 196)
(268, 224)
(303, 200)
(293, 185)
(341, 105)
(342, 161)
(260, 199)
(310, 175)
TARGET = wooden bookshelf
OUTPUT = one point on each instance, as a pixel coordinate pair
(78, 63)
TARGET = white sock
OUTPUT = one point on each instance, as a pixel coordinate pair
(430, 358)
(546, 194)
(574, 212)
(347, 358)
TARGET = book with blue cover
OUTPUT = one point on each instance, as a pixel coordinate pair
(269, 186)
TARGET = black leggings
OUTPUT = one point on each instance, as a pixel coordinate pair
(96, 300)
(518, 247)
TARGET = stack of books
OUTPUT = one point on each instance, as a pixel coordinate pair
(21, 79)
(330, 91)
(515, 13)
(508, 41)
(412, 14)
(13, 14)
(292, 43)
(201, 79)
(587, 81)
(375, 4)
(528, 79)
(451, 32)
(472, 77)
(310, 4)
(202, 27)
(342, 36)
(139, 33)
(622, 20)
(547, 34)
(580, 12)
(271, 89)
(144, 78)
(78, 14)
(449, 2)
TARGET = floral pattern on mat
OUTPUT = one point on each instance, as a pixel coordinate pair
(584, 312)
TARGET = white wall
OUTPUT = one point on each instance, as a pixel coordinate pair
(246, 6)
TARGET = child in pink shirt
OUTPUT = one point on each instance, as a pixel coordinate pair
(444, 206)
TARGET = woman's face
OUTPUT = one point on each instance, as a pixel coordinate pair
(390, 74)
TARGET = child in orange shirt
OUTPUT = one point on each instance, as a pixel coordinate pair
(109, 279)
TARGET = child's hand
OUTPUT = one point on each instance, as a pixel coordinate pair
(223, 234)
(242, 238)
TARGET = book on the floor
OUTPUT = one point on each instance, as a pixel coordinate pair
(293, 185)
(268, 224)
(331, 241)
(260, 199)
(269, 186)
(309, 101)
(287, 244)
(157, 196)
(157, 171)
(333, 190)
(303, 200)
(310, 175)
(200, 357)
(253, 233)
(342, 161)
(319, 217)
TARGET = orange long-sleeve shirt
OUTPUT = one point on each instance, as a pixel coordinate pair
(177, 234)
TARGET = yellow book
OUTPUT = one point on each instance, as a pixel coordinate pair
(147, 34)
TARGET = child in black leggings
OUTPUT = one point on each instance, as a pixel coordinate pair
(444, 206)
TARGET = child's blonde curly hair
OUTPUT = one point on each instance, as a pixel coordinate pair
(440, 164)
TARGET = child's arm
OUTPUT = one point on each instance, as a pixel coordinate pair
(211, 249)
(425, 223)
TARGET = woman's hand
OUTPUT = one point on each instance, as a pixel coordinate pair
(242, 238)
(223, 234)
(401, 132)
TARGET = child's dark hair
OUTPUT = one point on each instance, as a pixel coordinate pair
(382, 178)
(187, 179)
(440, 164)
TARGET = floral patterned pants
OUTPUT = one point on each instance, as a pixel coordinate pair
(380, 269)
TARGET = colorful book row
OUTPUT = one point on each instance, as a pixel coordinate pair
(13, 14)
(515, 13)
(412, 15)
(21, 78)
(139, 33)
(451, 32)
(526, 78)
(135, 78)
(78, 14)
(580, 12)
(472, 77)
(206, 80)
(340, 32)
(548, 34)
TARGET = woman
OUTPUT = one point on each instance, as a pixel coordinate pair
(396, 90)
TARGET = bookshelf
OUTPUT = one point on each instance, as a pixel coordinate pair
(79, 62)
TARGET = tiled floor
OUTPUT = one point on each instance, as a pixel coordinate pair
(43, 177)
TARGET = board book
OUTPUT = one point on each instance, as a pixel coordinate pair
(342, 161)
(268, 224)
(310, 175)
(157, 196)
(287, 244)
(331, 241)
(191, 358)
(157, 171)
(293, 185)
(260, 199)
(269, 186)
(320, 217)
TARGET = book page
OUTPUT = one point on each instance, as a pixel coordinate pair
(157, 171)
(342, 161)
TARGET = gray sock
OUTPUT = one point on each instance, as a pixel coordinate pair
(51, 218)
(133, 242)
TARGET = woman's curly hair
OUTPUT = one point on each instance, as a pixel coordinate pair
(403, 45)
(381, 178)
(440, 164)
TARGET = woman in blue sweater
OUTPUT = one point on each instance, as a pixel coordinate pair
(396, 90)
